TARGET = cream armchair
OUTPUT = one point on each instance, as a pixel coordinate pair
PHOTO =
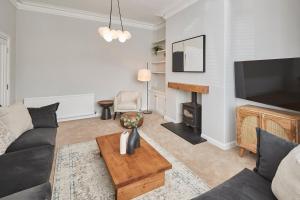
(127, 101)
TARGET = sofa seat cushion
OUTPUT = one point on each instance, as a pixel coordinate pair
(127, 105)
(40, 192)
(24, 169)
(246, 185)
(34, 138)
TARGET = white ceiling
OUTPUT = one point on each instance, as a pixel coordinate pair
(149, 11)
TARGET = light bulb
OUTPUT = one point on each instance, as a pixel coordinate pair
(122, 37)
(102, 30)
(119, 32)
(114, 34)
(127, 35)
(107, 35)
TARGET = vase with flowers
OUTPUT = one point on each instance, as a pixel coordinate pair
(132, 121)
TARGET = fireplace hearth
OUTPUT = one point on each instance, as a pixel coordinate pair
(191, 128)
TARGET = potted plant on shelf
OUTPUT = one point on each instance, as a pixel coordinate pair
(156, 49)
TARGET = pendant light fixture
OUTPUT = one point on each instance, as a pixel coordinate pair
(109, 34)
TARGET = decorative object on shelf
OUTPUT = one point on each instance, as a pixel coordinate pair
(144, 75)
(109, 34)
(123, 142)
(156, 49)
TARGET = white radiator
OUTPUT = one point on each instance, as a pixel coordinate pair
(70, 107)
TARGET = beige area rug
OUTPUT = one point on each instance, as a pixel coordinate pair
(80, 174)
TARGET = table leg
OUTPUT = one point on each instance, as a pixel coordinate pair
(106, 114)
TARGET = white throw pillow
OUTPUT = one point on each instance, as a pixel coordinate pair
(16, 118)
(286, 183)
(6, 138)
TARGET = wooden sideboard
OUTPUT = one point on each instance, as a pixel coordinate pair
(281, 123)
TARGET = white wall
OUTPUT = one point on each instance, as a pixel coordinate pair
(61, 56)
(258, 29)
(204, 17)
(159, 34)
(8, 27)
(236, 30)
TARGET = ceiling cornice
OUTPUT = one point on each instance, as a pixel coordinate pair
(13, 2)
(80, 14)
(177, 7)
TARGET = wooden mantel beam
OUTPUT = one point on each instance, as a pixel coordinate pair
(203, 89)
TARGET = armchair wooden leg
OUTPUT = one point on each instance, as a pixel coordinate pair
(115, 115)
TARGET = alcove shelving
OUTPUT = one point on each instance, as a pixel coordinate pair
(158, 80)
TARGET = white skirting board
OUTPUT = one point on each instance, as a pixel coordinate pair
(70, 107)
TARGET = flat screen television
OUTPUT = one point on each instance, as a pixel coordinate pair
(274, 82)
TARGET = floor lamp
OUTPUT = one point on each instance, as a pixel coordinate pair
(144, 75)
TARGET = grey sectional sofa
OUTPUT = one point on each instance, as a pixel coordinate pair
(256, 184)
(26, 166)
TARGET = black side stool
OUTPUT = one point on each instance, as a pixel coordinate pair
(106, 104)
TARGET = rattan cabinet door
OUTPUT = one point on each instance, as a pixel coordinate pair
(282, 127)
(247, 122)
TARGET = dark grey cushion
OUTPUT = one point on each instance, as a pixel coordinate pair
(40, 192)
(246, 185)
(270, 151)
(34, 138)
(44, 117)
(24, 169)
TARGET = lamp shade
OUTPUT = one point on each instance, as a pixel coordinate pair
(144, 75)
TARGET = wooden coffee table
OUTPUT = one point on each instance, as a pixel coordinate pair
(135, 174)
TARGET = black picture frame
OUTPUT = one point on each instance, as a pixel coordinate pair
(176, 68)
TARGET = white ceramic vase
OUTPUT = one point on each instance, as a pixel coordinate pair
(123, 142)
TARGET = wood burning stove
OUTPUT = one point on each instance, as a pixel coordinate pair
(191, 114)
(190, 127)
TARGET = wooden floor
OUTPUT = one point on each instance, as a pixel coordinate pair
(206, 160)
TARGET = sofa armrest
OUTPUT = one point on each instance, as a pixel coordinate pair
(116, 103)
(24, 169)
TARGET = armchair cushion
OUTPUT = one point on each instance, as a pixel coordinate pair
(129, 96)
(127, 105)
